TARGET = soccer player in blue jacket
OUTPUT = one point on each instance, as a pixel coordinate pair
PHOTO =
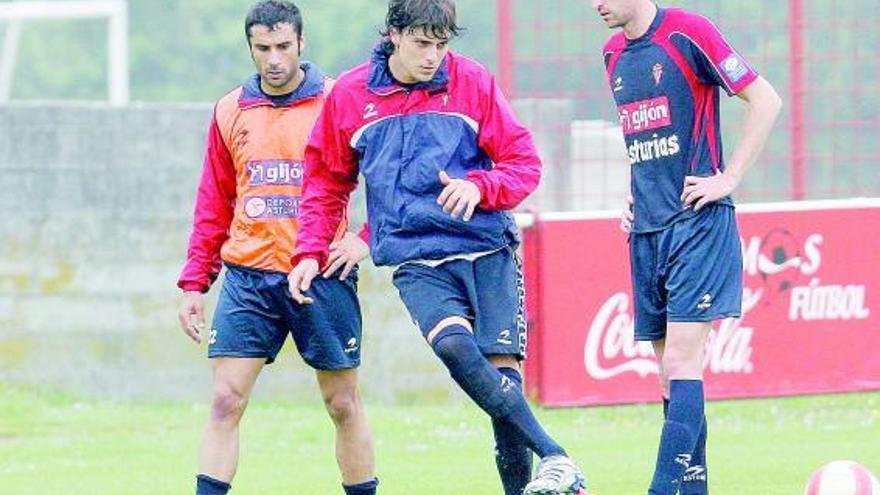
(444, 160)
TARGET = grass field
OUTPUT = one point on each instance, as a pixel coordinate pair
(56, 444)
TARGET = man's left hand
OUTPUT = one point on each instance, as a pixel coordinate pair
(346, 253)
(700, 191)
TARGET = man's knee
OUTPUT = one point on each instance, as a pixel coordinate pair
(678, 364)
(342, 406)
(227, 405)
(456, 347)
(447, 337)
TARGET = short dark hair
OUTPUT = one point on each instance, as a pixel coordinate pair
(435, 17)
(270, 13)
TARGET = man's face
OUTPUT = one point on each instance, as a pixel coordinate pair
(276, 54)
(417, 55)
(615, 13)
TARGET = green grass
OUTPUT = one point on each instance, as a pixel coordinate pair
(51, 443)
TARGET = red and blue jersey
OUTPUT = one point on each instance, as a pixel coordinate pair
(400, 138)
(665, 84)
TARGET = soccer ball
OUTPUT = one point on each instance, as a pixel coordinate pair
(842, 478)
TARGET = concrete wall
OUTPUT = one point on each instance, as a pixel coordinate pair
(97, 208)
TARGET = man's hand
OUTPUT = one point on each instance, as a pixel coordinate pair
(346, 252)
(300, 279)
(459, 196)
(627, 216)
(700, 191)
(192, 315)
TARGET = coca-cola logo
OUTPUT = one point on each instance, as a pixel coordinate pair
(610, 350)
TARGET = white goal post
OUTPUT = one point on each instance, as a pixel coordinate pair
(116, 13)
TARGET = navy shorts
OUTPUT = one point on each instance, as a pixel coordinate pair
(255, 313)
(488, 291)
(688, 272)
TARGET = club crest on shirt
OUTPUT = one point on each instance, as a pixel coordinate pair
(657, 71)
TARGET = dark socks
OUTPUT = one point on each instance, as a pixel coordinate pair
(493, 392)
(512, 455)
(206, 485)
(695, 479)
(681, 429)
(367, 488)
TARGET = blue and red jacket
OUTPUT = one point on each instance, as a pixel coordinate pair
(400, 138)
(666, 85)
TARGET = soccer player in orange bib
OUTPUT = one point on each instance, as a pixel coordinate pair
(246, 217)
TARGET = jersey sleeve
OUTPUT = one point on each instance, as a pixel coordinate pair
(509, 144)
(714, 61)
(215, 205)
(331, 170)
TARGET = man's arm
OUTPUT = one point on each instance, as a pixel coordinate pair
(330, 176)
(215, 204)
(763, 106)
(331, 171)
(345, 254)
(509, 144)
(213, 214)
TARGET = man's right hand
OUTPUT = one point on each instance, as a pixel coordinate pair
(192, 315)
(300, 280)
(627, 217)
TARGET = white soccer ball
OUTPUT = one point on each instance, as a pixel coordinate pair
(842, 478)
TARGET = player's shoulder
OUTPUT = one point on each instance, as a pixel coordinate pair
(615, 43)
(693, 25)
(228, 102)
(348, 91)
(468, 73)
(353, 80)
(467, 78)
(464, 65)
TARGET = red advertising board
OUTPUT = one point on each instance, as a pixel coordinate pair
(811, 308)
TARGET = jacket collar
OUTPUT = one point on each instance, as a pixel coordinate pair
(311, 86)
(382, 82)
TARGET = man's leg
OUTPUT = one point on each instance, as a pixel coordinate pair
(354, 443)
(453, 341)
(682, 363)
(695, 479)
(444, 301)
(512, 454)
(659, 347)
(218, 459)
